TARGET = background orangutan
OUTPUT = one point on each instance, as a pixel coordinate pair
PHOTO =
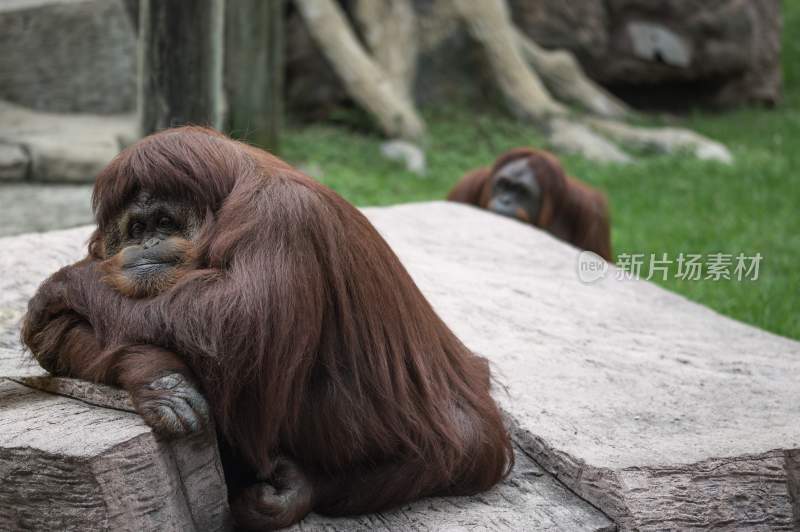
(219, 273)
(530, 185)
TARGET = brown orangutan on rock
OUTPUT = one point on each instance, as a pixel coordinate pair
(222, 282)
(531, 186)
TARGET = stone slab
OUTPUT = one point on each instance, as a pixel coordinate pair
(14, 162)
(656, 410)
(69, 465)
(27, 208)
(64, 147)
(530, 499)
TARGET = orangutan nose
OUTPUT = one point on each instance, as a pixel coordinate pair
(151, 243)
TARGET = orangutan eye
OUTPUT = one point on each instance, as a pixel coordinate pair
(503, 184)
(136, 229)
(165, 223)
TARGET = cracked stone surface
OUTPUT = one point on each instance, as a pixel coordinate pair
(656, 410)
(69, 465)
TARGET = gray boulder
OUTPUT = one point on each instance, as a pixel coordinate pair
(69, 56)
(408, 154)
(717, 52)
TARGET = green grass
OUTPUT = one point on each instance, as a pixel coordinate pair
(660, 205)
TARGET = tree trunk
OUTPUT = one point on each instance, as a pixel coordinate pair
(180, 78)
(662, 140)
(565, 78)
(570, 136)
(363, 78)
(381, 85)
(389, 28)
(489, 23)
(254, 70)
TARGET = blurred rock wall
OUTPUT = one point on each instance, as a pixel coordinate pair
(670, 53)
(80, 55)
(717, 52)
(68, 55)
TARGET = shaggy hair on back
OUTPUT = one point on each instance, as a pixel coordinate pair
(303, 329)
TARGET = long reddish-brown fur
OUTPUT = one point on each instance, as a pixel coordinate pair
(305, 332)
(571, 210)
